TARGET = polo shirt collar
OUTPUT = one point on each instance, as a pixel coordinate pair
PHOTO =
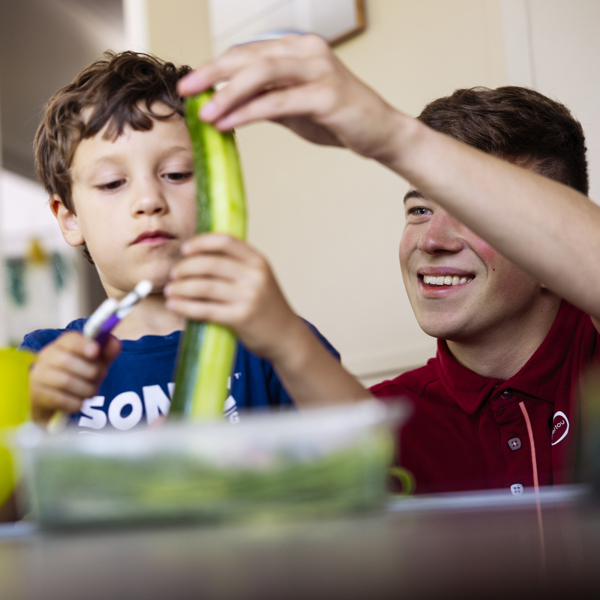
(538, 377)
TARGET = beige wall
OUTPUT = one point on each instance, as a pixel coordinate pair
(330, 221)
(179, 30)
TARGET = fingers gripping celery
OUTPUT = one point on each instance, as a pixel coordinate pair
(207, 350)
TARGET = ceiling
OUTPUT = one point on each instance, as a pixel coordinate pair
(44, 44)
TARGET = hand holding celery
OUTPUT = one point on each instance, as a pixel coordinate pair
(299, 82)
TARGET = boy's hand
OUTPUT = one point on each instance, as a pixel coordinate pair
(223, 280)
(299, 82)
(66, 372)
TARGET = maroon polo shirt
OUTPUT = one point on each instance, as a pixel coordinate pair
(470, 432)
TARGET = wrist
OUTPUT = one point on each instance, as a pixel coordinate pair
(295, 348)
(400, 140)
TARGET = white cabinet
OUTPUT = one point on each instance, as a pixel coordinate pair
(238, 21)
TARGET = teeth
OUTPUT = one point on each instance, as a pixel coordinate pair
(445, 280)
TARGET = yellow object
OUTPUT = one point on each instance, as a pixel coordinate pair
(14, 408)
(406, 478)
(36, 253)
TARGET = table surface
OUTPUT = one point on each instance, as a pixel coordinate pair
(453, 546)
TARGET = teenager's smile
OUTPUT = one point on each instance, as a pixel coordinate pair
(443, 280)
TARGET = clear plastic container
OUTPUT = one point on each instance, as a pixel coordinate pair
(290, 464)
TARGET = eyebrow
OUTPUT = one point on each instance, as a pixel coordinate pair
(413, 194)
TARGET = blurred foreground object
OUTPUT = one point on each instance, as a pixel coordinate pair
(14, 408)
(296, 464)
(589, 446)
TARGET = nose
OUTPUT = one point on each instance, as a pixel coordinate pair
(443, 234)
(148, 198)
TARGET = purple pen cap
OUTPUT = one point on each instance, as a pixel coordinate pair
(110, 317)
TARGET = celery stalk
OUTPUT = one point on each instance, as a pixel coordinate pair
(207, 350)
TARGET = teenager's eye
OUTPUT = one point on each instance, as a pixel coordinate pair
(177, 177)
(418, 211)
(112, 185)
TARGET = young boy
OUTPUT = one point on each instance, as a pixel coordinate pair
(487, 253)
(114, 155)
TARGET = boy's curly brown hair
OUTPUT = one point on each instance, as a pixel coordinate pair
(119, 89)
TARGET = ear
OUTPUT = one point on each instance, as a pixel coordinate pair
(67, 221)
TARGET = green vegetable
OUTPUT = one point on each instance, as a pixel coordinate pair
(88, 487)
(207, 350)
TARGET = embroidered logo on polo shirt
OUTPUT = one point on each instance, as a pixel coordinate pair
(560, 427)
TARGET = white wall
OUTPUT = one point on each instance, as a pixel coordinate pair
(24, 216)
(24, 213)
(3, 336)
(565, 50)
(553, 46)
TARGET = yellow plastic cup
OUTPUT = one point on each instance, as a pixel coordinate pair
(14, 409)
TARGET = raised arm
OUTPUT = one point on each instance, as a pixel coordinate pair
(548, 229)
(296, 81)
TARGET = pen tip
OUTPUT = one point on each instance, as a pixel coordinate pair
(143, 288)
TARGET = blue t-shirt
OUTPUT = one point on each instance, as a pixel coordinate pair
(140, 382)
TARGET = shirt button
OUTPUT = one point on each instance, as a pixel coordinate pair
(516, 489)
(507, 394)
(514, 443)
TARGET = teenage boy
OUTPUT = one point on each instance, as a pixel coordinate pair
(488, 251)
(114, 155)
(510, 353)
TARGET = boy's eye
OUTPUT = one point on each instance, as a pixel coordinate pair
(112, 185)
(178, 176)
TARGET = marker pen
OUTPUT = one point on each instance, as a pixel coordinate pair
(98, 327)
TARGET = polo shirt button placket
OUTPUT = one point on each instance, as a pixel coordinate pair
(514, 443)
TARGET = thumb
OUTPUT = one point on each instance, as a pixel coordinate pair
(111, 349)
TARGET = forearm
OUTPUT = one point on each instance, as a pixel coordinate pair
(312, 376)
(548, 229)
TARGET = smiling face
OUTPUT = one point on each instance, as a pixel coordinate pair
(459, 287)
(134, 201)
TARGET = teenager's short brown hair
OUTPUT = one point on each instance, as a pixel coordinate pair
(115, 91)
(518, 124)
